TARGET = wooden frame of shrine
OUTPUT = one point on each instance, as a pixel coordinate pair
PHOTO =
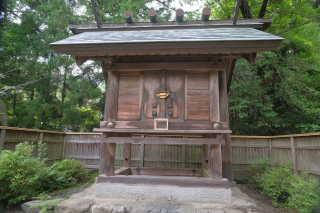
(168, 78)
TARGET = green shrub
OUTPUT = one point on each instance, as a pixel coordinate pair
(256, 170)
(276, 182)
(304, 193)
(67, 173)
(21, 175)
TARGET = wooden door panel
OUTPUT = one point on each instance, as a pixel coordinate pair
(151, 85)
(198, 99)
(175, 85)
(128, 98)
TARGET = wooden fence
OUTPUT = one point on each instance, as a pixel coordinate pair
(302, 150)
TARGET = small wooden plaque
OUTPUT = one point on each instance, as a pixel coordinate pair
(161, 124)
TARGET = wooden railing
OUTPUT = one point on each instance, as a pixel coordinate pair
(301, 150)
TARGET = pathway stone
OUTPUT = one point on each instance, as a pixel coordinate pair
(74, 206)
(27, 205)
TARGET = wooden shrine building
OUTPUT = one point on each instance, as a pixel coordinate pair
(168, 78)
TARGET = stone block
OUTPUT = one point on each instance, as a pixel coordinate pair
(74, 206)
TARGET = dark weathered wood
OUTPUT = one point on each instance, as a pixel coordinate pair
(96, 13)
(205, 156)
(141, 154)
(179, 15)
(199, 66)
(166, 171)
(2, 137)
(224, 117)
(80, 60)
(216, 162)
(230, 64)
(205, 14)
(151, 85)
(128, 16)
(250, 57)
(294, 156)
(122, 171)
(153, 16)
(198, 97)
(185, 97)
(189, 182)
(236, 11)
(162, 140)
(163, 131)
(111, 106)
(129, 98)
(175, 84)
(127, 155)
(260, 23)
(214, 96)
(183, 156)
(110, 159)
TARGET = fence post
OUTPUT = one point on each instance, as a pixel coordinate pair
(294, 156)
(183, 156)
(270, 147)
(2, 137)
(141, 153)
(64, 145)
(126, 155)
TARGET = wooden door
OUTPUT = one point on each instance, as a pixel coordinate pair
(163, 81)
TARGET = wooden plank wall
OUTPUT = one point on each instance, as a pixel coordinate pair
(304, 149)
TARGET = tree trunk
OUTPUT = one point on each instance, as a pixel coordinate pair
(263, 8)
(245, 9)
(64, 89)
(14, 101)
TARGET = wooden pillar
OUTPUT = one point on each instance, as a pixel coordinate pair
(206, 155)
(216, 161)
(224, 117)
(126, 154)
(141, 153)
(110, 159)
(108, 150)
(2, 137)
(294, 156)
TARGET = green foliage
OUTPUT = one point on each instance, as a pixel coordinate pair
(286, 190)
(23, 176)
(256, 170)
(67, 173)
(46, 205)
(276, 182)
(304, 194)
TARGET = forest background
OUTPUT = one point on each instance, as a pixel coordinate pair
(279, 94)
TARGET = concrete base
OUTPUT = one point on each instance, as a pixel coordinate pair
(162, 193)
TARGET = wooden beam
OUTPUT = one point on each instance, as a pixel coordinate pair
(80, 60)
(216, 162)
(199, 66)
(111, 105)
(110, 159)
(250, 57)
(96, 14)
(214, 96)
(236, 11)
(230, 64)
(162, 140)
(122, 171)
(192, 182)
(153, 16)
(205, 156)
(179, 15)
(127, 155)
(186, 125)
(141, 154)
(224, 117)
(205, 14)
(166, 172)
(185, 132)
(128, 16)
